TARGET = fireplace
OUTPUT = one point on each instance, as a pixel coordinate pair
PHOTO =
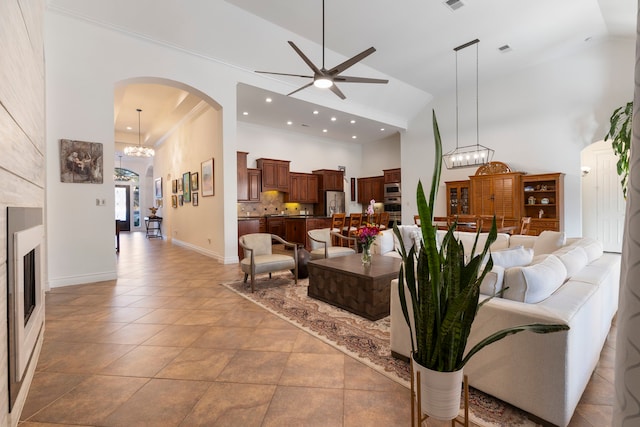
(25, 303)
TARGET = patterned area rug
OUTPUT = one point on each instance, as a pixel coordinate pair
(365, 340)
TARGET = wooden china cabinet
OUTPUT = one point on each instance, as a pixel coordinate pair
(496, 190)
(458, 200)
(543, 197)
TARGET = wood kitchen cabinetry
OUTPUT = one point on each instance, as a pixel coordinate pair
(543, 201)
(370, 188)
(330, 180)
(255, 184)
(392, 175)
(497, 194)
(303, 188)
(249, 180)
(276, 225)
(275, 174)
(458, 199)
(297, 229)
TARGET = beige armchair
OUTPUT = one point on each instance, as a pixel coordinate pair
(259, 257)
(322, 244)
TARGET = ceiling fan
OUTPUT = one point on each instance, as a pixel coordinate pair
(323, 78)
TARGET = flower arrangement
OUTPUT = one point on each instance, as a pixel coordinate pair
(366, 235)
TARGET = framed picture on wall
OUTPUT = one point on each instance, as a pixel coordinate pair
(207, 178)
(194, 199)
(186, 186)
(174, 186)
(194, 181)
(180, 200)
(179, 185)
(81, 162)
(174, 201)
(157, 185)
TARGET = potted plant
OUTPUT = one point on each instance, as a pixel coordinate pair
(620, 135)
(444, 291)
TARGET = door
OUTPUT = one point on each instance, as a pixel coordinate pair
(123, 200)
(610, 203)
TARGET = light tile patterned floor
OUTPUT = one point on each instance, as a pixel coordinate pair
(164, 345)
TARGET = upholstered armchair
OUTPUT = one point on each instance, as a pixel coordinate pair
(322, 244)
(259, 257)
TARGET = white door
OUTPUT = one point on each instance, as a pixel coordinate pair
(610, 203)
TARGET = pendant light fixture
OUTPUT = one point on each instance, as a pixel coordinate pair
(139, 150)
(469, 155)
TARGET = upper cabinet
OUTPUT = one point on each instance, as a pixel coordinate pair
(255, 184)
(543, 197)
(371, 188)
(303, 188)
(243, 181)
(392, 175)
(275, 174)
(330, 180)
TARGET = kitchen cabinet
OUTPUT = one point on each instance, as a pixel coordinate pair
(243, 182)
(248, 226)
(331, 180)
(297, 228)
(497, 194)
(370, 188)
(303, 188)
(255, 184)
(275, 174)
(458, 200)
(543, 201)
(276, 225)
(392, 175)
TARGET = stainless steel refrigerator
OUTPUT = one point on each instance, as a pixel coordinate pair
(333, 202)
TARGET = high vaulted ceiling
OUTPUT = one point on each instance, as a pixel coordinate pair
(414, 41)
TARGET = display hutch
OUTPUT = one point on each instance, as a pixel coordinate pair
(458, 200)
(543, 196)
(496, 190)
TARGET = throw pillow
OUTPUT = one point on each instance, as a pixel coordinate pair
(384, 242)
(534, 283)
(492, 282)
(574, 258)
(512, 257)
(548, 242)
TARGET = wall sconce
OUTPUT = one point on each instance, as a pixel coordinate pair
(585, 170)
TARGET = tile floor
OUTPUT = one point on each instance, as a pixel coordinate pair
(165, 345)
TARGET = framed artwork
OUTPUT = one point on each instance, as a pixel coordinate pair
(180, 200)
(194, 181)
(207, 178)
(194, 199)
(81, 162)
(174, 186)
(179, 185)
(174, 201)
(186, 186)
(157, 185)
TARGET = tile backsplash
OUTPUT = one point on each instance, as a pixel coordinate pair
(272, 203)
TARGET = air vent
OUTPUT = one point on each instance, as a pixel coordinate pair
(454, 4)
(304, 125)
(505, 48)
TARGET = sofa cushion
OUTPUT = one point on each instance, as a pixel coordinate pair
(492, 282)
(574, 258)
(383, 242)
(512, 257)
(548, 242)
(536, 282)
(592, 247)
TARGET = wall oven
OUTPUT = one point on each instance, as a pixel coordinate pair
(392, 189)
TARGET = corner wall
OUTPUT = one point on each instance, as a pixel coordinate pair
(22, 144)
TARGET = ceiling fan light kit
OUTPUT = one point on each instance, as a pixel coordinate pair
(326, 79)
(469, 155)
(139, 150)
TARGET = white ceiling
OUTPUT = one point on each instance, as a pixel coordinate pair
(414, 41)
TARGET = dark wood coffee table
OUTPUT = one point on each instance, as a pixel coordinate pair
(344, 282)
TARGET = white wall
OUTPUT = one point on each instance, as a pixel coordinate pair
(538, 120)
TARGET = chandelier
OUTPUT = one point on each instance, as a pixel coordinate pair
(139, 150)
(469, 155)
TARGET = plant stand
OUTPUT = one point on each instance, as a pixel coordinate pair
(417, 417)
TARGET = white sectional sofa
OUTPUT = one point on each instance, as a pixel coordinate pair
(550, 279)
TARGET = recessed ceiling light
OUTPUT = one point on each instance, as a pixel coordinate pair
(268, 100)
(315, 111)
(333, 119)
(245, 113)
(352, 121)
(324, 130)
(129, 128)
(381, 129)
(354, 137)
(289, 122)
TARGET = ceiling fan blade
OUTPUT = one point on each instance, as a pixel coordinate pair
(300, 88)
(284, 74)
(337, 91)
(349, 62)
(305, 59)
(348, 79)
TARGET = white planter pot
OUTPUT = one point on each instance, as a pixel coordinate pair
(440, 392)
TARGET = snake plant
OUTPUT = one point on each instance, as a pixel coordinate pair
(444, 288)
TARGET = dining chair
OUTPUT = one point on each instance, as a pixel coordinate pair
(338, 221)
(525, 223)
(259, 257)
(384, 220)
(354, 222)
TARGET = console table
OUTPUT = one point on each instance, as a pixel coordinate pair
(153, 226)
(346, 283)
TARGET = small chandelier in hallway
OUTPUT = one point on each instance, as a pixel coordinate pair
(139, 150)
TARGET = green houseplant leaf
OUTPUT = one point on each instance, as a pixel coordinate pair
(444, 287)
(620, 136)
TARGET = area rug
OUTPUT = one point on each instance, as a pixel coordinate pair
(367, 341)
